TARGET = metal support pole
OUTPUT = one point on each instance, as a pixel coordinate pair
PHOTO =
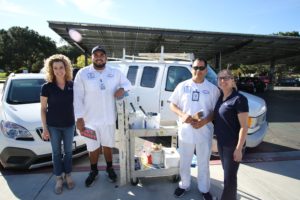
(122, 139)
(86, 59)
(271, 75)
(161, 58)
(218, 59)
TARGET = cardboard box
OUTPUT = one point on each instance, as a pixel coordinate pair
(171, 157)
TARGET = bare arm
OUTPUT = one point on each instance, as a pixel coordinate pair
(125, 85)
(44, 102)
(185, 117)
(243, 117)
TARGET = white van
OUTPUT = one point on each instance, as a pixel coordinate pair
(154, 81)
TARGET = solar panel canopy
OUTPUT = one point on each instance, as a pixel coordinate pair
(229, 48)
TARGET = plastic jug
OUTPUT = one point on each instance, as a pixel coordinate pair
(152, 121)
(136, 120)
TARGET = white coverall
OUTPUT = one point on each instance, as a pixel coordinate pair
(94, 99)
(191, 97)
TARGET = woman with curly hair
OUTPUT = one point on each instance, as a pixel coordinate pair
(57, 115)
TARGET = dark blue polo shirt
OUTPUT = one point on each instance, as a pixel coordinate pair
(226, 120)
(60, 112)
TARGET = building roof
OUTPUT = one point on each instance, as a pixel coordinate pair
(234, 48)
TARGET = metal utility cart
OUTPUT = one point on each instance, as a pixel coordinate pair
(127, 138)
(152, 172)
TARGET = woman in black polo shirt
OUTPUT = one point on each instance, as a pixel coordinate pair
(57, 115)
(230, 120)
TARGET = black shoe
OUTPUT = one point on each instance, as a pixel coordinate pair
(112, 176)
(91, 178)
(207, 196)
(179, 192)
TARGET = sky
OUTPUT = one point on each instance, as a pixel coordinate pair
(234, 16)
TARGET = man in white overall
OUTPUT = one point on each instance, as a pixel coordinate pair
(95, 88)
(190, 97)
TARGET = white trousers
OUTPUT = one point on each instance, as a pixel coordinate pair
(203, 151)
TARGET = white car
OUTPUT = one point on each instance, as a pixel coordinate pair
(21, 145)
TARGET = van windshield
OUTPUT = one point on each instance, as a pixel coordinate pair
(24, 91)
(177, 74)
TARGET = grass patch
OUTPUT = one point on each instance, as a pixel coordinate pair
(3, 75)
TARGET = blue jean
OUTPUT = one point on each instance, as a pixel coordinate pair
(57, 135)
(230, 168)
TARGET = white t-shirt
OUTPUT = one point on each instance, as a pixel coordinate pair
(94, 99)
(191, 98)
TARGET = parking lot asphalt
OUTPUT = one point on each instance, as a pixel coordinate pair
(263, 179)
(284, 120)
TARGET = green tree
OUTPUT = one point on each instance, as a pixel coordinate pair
(287, 70)
(246, 70)
(81, 61)
(22, 47)
(70, 51)
(293, 33)
(2, 57)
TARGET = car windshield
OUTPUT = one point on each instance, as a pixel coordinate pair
(23, 91)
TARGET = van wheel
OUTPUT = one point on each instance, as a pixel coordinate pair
(134, 182)
(215, 156)
(214, 147)
(175, 178)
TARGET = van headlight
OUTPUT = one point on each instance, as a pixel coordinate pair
(15, 131)
(252, 122)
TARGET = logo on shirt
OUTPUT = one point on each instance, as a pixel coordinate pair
(90, 75)
(187, 89)
(205, 91)
(110, 75)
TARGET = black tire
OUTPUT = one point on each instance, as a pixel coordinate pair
(215, 156)
(134, 182)
(175, 178)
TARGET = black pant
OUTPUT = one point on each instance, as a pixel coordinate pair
(230, 168)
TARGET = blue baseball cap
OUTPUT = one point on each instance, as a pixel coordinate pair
(98, 48)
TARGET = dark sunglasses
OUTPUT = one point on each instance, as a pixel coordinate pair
(201, 68)
(225, 78)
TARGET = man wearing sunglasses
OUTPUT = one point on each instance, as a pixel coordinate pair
(193, 101)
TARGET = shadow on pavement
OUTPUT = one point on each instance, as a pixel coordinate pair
(283, 168)
(269, 147)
